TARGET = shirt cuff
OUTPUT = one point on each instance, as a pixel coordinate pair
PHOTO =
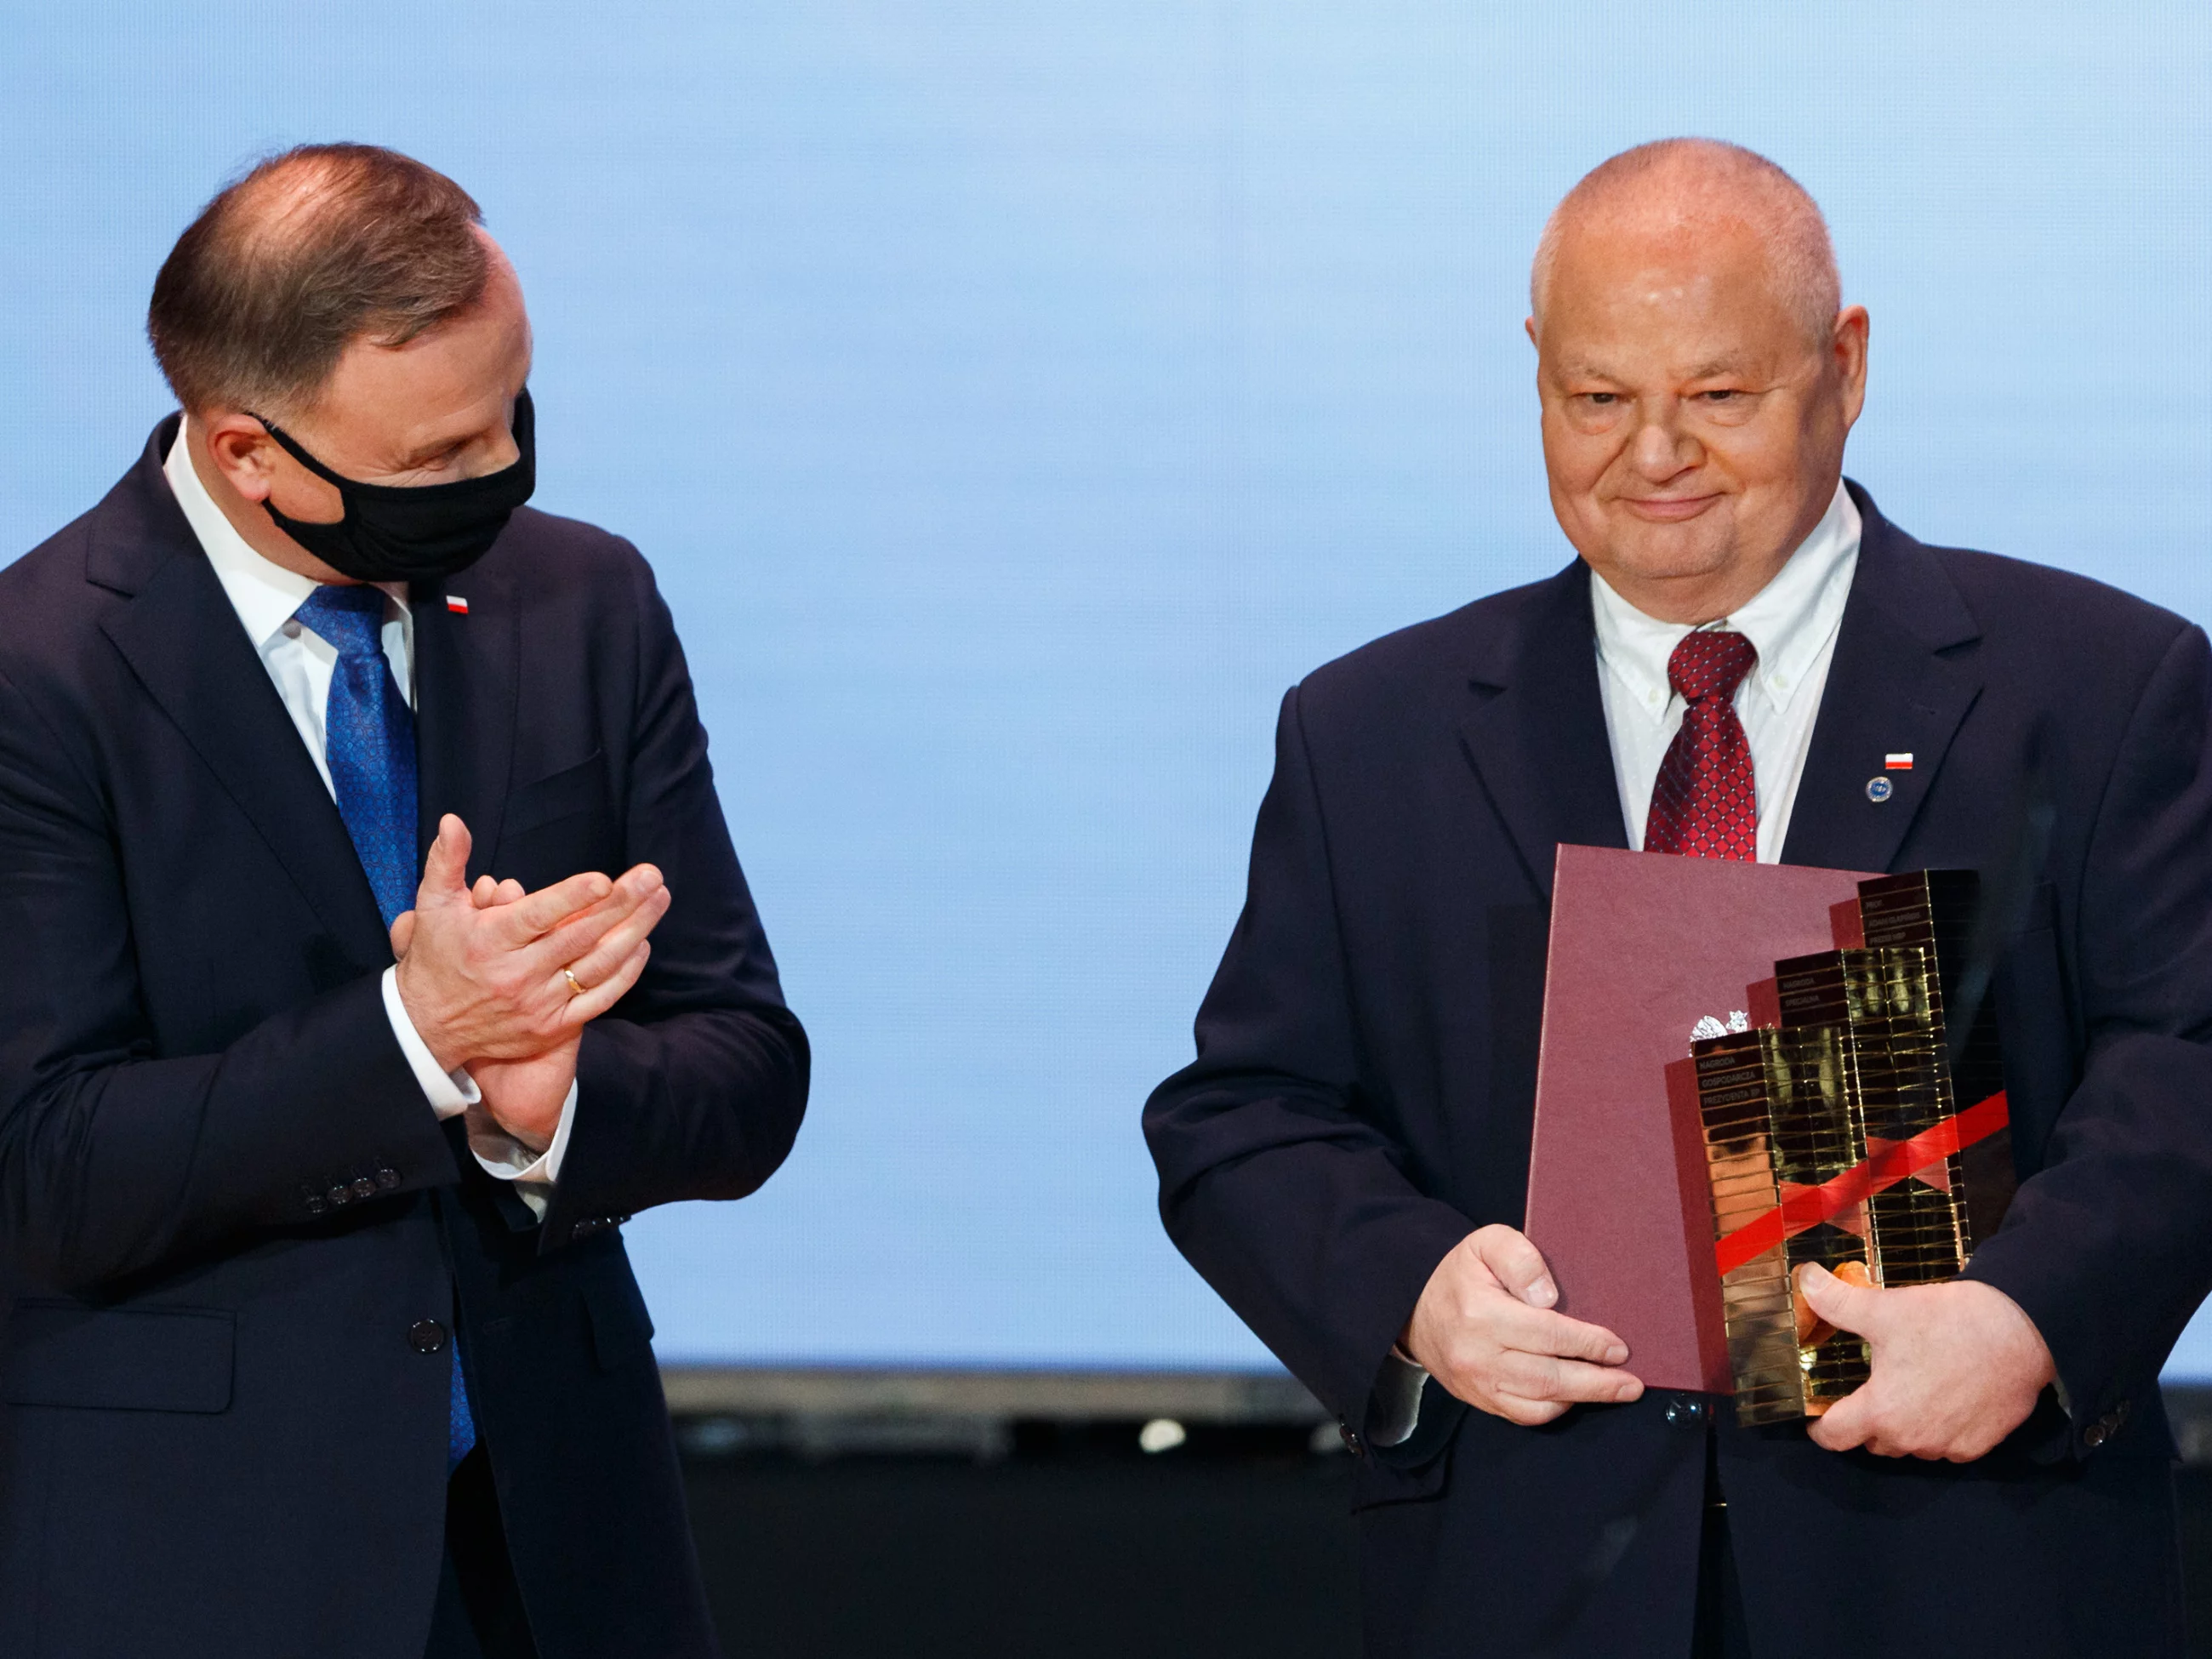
(449, 1093)
(1395, 1411)
(508, 1159)
(505, 1158)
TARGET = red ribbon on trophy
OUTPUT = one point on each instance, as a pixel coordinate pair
(1886, 1163)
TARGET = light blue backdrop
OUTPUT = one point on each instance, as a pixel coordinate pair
(1013, 399)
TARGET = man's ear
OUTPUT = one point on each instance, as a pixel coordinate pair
(1848, 346)
(241, 450)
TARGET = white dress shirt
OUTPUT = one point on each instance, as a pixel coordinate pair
(1792, 624)
(300, 662)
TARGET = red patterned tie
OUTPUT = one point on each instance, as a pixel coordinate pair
(1703, 803)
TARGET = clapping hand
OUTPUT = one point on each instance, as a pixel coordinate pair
(503, 982)
(523, 1097)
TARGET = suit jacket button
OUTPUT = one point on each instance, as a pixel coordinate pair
(1350, 1436)
(425, 1336)
(363, 1187)
(340, 1193)
(2095, 1435)
(316, 1204)
(387, 1178)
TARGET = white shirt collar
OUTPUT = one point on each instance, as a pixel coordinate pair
(263, 592)
(1789, 622)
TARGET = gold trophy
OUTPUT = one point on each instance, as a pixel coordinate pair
(1864, 1131)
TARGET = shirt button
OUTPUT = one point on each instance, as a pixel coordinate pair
(425, 1336)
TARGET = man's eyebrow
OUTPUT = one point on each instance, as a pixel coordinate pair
(1578, 368)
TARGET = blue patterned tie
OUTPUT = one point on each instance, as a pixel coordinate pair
(368, 740)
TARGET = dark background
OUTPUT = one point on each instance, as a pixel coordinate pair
(1069, 1541)
(1073, 1544)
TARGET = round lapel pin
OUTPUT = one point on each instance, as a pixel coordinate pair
(1880, 790)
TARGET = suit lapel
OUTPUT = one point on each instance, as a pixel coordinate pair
(1537, 736)
(182, 638)
(1898, 682)
(466, 673)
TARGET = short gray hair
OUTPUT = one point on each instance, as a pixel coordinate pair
(1701, 181)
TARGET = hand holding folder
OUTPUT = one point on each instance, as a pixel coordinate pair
(1681, 1180)
(1485, 1329)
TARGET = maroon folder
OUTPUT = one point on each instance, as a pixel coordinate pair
(1645, 946)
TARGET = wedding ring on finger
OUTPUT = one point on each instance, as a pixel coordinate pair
(575, 985)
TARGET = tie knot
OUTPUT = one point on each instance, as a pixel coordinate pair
(350, 618)
(1710, 664)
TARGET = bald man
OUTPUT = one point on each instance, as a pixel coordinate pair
(375, 948)
(1346, 1161)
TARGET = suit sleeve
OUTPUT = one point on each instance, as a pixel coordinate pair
(693, 1085)
(114, 1161)
(2108, 1248)
(1275, 1180)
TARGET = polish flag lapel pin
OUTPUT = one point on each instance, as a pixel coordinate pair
(460, 607)
(1879, 787)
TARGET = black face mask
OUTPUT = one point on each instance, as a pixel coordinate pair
(393, 533)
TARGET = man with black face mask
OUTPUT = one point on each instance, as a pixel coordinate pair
(349, 1013)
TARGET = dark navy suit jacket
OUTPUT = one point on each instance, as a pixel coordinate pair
(1366, 1076)
(224, 1202)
